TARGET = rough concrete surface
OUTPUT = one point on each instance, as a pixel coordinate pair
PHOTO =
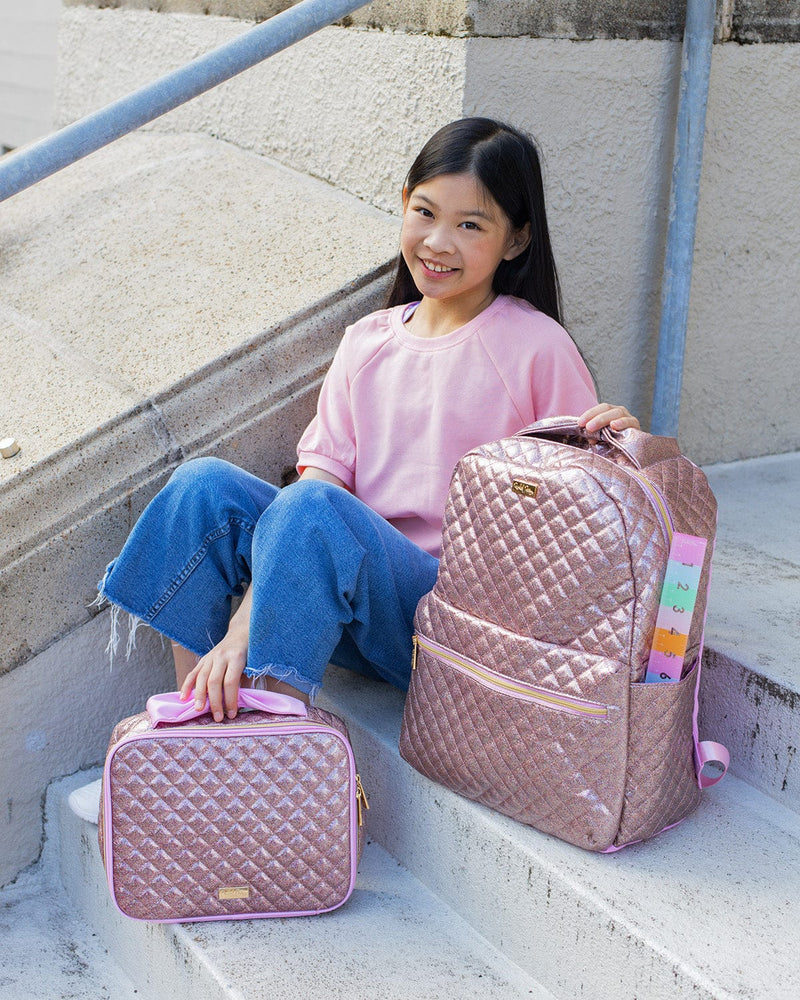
(169, 296)
(139, 265)
(692, 912)
(752, 677)
(48, 951)
(59, 709)
(738, 20)
(352, 108)
(604, 113)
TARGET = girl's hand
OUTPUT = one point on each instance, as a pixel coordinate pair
(606, 415)
(218, 676)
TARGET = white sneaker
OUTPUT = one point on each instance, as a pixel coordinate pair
(85, 801)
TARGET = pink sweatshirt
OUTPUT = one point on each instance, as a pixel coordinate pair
(396, 412)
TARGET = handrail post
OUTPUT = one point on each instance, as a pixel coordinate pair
(684, 195)
(25, 167)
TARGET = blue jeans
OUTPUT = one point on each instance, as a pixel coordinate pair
(332, 580)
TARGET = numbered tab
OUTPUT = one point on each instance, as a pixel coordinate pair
(662, 668)
(669, 641)
(678, 594)
(676, 608)
(688, 549)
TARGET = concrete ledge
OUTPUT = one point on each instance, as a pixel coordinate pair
(48, 950)
(752, 20)
(257, 346)
(752, 675)
(69, 515)
(59, 709)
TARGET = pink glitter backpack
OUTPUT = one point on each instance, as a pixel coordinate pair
(529, 692)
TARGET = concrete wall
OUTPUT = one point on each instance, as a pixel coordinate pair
(738, 20)
(28, 47)
(603, 110)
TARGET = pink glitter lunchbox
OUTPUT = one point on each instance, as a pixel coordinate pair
(257, 816)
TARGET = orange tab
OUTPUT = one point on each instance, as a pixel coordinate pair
(664, 641)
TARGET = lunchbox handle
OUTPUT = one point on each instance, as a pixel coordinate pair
(168, 707)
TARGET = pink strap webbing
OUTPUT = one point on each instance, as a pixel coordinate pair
(716, 756)
(707, 752)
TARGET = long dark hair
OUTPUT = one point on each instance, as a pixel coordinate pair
(506, 162)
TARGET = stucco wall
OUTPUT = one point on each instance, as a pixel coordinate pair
(28, 45)
(341, 105)
(352, 106)
(604, 112)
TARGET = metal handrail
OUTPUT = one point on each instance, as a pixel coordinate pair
(698, 41)
(25, 167)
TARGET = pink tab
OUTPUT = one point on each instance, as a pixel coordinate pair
(689, 549)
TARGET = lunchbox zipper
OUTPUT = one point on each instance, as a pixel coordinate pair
(517, 689)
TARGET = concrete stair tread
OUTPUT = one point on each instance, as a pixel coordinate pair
(48, 950)
(46, 943)
(166, 297)
(393, 939)
(696, 908)
(750, 693)
(754, 604)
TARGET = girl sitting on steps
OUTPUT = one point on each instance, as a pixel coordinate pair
(470, 348)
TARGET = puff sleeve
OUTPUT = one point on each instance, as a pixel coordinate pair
(329, 441)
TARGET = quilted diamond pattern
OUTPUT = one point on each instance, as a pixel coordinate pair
(534, 763)
(193, 814)
(550, 590)
(661, 785)
(567, 567)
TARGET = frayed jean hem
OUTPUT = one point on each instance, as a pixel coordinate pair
(134, 623)
(280, 672)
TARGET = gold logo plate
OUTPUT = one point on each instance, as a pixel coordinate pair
(525, 489)
(234, 892)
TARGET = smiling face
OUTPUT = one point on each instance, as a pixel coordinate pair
(454, 236)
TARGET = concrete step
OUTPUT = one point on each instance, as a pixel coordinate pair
(750, 697)
(699, 911)
(152, 295)
(693, 912)
(394, 939)
(48, 950)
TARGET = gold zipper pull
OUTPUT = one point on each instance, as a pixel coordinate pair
(361, 799)
(415, 644)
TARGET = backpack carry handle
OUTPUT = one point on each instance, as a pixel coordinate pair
(641, 448)
(168, 707)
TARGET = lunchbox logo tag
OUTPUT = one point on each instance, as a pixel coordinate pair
(234, 892)
(524, 488)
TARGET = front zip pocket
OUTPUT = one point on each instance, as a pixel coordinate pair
(506, 685)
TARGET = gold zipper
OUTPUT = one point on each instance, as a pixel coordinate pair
(361, 799)
(563, 702)
(656, 499)
(415, 644)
